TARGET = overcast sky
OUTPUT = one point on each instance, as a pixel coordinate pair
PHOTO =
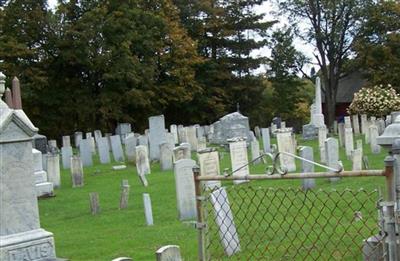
(266, 8)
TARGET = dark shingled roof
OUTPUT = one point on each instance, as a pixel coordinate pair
(348, 85)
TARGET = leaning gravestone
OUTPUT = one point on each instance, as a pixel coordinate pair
(85, 151)
(21, 237)
(168, 253)
(104, 150)
(157, 135)
(239, 159)
(148, 211)
(116, 148)
(185, 189)
(209, 166)
(224, 219)
(306, 152)
(122, 130)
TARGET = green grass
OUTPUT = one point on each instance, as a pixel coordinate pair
(112, 233)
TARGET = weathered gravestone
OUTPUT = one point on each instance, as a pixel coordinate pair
(116, 148)
(373, 134)
(202, 143)
(97, 135)
(266, 140)
(122, 130)
(76, 171)
(182, 134)
(104, 150)
(322, 135)
(209, 166)
(85, 152)
(225, 223)
(185, 189)
(182, 152)
(348, 141)
(356, 124)
(21, 237)
(239, 159)
(53, 169)
(169, 253)
(123, 202)
(165, 156)
(173, 129)
(255, 152)
(40, 143)
(341, 135)
(42, 186)
(130, 147)
(192, 137)
(306, 152)
(157, 135)
(77, 138)
(233, 125)
(332, 155)
(94, 203)
(148, 211)
(285, 144)
(66, 154)
(356, 158)
(142, 160)
(364, 120)
(66, 141)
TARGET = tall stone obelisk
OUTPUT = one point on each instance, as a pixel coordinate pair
(318, 118)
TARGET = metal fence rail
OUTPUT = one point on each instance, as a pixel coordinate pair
(250, 222)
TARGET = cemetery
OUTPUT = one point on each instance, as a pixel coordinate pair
(155, 158)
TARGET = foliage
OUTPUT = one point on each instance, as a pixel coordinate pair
(378, 45)
(375, 101)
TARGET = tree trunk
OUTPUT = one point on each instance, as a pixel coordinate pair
(330, 100)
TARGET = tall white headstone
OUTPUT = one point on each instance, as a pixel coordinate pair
(319, 120)
(185, 189)
(332, 155)
(209, 166)
(157, 135)
(266, 140)
(285, 144)
(239, 159)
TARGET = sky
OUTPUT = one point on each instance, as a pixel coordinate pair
(268, 8)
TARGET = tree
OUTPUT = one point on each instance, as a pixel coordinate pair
(378, 45)
(332, 26)
(284, 65)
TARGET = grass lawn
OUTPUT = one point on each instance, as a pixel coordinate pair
(112, 233)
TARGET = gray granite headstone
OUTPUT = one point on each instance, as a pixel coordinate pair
(20, 232)
(104, 150)
(40, 143)
(310, 132)
(66, 141)
(165, 156)
(130, 148)
(231, 126)
(266, 140)
(85, 152)
(116, 148)
(66, 153)
(306, 152)
(157, 135)
(76, 171)
(185, 190)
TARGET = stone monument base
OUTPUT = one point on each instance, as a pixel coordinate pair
(36, 245)
(310, 132)
(44, 189)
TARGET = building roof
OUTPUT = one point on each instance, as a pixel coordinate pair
(348, 85)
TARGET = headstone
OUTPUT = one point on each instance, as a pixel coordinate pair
(142, 160)
(266, 140)
(306, 152)
(156, 135)
(66, 154)
(341, 134)
(285, 144)
(97, 135)
(182, 152)
(122, 130)
(364, 124)
(225, 223)
(185, 189)
(85, 151)
(283, 125)
(77, 138)
(322, 135)
(42, 186)
(202, 144)
(148, 212)
(239, 159)
(381, 126)
(123, 202)
(257, 132)
(118, 167)
(94, 203)
(255, 152)
(356, 124)
(310, 132)
(200, 131)
(40, 143)
(165, 156)
(318, 117)
(122, 259)
(335, 127)
(174, 131)
(76, 171)
(66, 141)
(21, 237)
(332, 155)
(356, 158)
(130, 147)
(182, 134)
(367, 125)
(53, 169)
(192, 138)
(143, 140)
(373, 134)
(359, 145)
(116, 148)
(209, 166)
(169, 253)
(347, 122)
(348, 141)
(233, 125)
(104, 150)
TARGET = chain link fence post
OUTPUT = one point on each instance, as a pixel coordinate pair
(200, 225)
(389, 216)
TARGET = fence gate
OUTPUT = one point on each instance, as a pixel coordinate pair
(255, 222)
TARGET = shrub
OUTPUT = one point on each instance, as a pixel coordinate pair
(375, 101)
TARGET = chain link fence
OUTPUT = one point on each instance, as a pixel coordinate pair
(248, 222)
